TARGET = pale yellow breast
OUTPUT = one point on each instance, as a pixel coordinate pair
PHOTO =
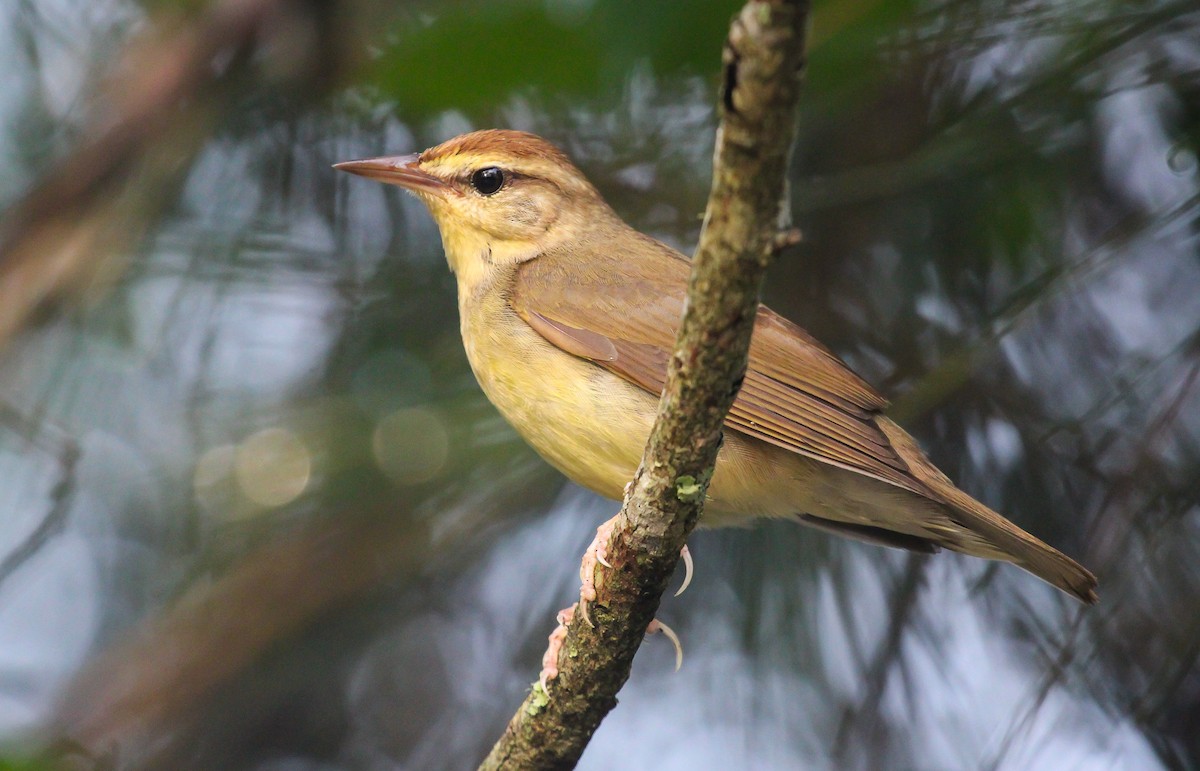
(587, 423)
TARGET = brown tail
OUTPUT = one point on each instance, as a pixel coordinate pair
(1001, 538)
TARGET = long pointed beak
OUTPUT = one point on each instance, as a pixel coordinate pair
(399, 170)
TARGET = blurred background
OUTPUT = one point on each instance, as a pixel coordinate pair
(256, 514)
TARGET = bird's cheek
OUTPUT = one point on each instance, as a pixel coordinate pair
(522, 218)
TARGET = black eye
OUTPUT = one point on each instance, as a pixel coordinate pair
(488, 180)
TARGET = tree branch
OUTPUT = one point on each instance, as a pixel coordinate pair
(763, 57)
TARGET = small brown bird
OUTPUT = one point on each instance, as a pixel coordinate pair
(569, 316)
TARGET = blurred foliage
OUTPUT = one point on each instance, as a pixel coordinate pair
(259, 515)
(474, 57)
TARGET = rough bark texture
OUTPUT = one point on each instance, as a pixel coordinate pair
(763, 57)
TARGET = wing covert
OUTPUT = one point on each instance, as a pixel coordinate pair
(796, 395)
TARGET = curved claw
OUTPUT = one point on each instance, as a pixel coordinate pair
(669, 633)
(686, 556)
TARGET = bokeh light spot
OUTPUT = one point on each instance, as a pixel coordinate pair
(273, 467)
(411, 445)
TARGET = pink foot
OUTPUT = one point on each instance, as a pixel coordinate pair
(557, 638)
(597, 553)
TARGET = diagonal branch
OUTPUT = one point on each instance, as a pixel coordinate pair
(763, 57)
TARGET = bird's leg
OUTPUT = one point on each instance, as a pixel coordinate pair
(557, 638)
(596, 554)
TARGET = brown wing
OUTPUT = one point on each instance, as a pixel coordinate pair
(624, 314)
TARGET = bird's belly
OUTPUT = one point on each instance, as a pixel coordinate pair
(586, 422)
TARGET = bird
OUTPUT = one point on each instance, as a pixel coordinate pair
(569, 316)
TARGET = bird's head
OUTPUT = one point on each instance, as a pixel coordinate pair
(498, 197)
